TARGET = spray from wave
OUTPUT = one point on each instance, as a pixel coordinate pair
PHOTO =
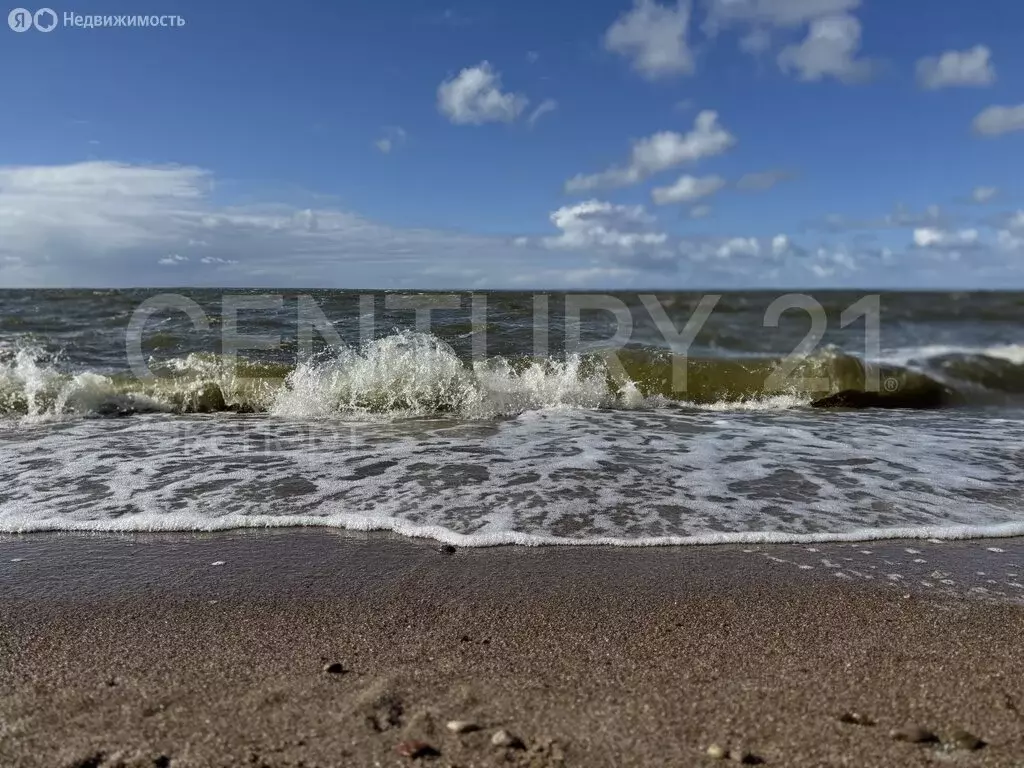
(414, 374)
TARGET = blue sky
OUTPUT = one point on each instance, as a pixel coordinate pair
(719, 143)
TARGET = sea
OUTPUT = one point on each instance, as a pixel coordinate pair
(490, 418)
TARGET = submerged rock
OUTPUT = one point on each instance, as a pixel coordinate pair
(334, 668)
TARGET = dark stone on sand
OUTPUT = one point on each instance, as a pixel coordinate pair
(856, 718)
(961, 739)
(416, 749)
(913, 734)
(743, 757)
(447, 549)
(334, 668)
(94, 760)
(928, 399)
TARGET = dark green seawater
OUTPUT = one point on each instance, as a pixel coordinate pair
(488, 418)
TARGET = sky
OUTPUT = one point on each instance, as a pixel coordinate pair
(570, 145)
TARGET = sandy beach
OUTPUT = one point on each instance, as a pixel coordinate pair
(189, 650)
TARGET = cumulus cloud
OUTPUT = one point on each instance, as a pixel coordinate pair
(781, 245)
(762, 180)
(394, 136)
(829, 50)
(972, 67)
(653, 37)
(595, 223)
(984, 194)
(1008, 241)
(548, 105)
(739, 246)
(474, 97)
(659, 153)
(930, 237)
(998, 120)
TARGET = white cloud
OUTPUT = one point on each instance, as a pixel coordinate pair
(999, 119)
(1015, 221)
(660, 152)
(653, 36)
(394, 136)
(601, 224)
(700, 211)
(829, 50)
(972, 67)
(780, 245)
(474, 97)
(762, 180)
(777, 13)
(687, 189)
(739, 246)
(931, 237)
(756, 41)
(548, 105)
(984, 194)
(1007, 241)
(107, 223)
(532, 57)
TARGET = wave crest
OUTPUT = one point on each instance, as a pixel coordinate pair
(416, 374)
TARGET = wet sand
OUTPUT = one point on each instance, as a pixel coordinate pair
(179, 650)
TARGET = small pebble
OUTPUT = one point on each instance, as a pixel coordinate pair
(503, 738)
(416, 749)
(856, 718)
(914, 735)
(716, 752)
(447, 549)
(462, 726)
(334, 668)
(961, 739)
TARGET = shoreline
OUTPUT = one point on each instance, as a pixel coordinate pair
(208, 650)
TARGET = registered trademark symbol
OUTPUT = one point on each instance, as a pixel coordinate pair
(891, 384)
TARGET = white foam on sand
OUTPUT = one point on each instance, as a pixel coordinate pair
(624, 478)
(188, 523)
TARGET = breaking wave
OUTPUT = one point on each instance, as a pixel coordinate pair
(413, 374)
